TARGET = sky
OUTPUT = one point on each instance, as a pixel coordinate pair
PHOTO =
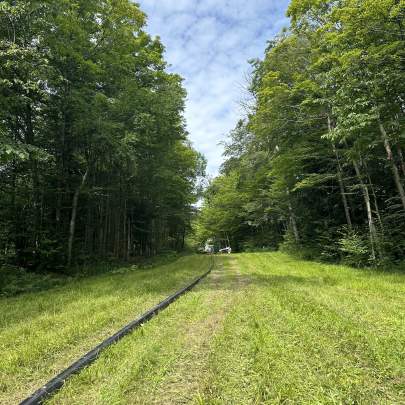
(209, 43)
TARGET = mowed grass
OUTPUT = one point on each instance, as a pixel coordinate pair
(263, 328)
(311, 333)
(42, 333)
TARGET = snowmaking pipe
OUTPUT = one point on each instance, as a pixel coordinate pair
(57, 382)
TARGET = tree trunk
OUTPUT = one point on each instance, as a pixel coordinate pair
(394, 167)
(293, 221)
(344, 199)
(366, 195)
(340, 181)
(343, 193)
(106, 226)
(128, 252)
(377, 209)
(34, 175)
(72, 225)
(60, 163)
(183, 238)
(401, 159)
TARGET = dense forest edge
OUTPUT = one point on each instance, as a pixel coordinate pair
(316, 167)
(95, 160)
(96, 166)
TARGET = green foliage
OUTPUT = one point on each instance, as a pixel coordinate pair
(322, 146)
(355, 247)
(15, 280)
(94, 156)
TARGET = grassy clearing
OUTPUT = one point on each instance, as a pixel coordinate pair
(311, 333)
(262, 328)
(42, 333)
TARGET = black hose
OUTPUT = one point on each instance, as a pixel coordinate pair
(57, 382)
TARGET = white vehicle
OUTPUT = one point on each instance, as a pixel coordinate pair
(226, 250)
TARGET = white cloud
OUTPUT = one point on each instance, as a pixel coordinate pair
(209, 43)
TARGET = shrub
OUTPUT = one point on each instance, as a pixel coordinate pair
(355, 247)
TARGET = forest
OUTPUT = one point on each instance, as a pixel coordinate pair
(316, 165)
(96, 164)
(95, 161)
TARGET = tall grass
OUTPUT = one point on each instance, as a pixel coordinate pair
(41, 333)
(263, 328)
(311, 333)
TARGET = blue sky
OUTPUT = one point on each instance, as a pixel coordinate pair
(209, 43)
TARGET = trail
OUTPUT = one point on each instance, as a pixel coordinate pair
(222, 290)
(43, 333)
(167, 362)
(262, 328)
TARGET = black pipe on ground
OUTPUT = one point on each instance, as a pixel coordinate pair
(57, 382)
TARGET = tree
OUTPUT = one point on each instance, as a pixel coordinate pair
(322, 144)
(95, 160)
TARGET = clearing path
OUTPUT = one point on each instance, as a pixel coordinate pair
(263, 328)
(164, 362)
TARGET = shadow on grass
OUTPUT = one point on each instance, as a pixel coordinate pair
(16, 281)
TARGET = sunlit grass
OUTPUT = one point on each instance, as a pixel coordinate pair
(41, 333)
(311, 333)
(263, 328)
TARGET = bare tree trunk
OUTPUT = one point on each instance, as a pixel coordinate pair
(294, 224)
(293, 220)
(342, 189)
(60, 163)
(123, 243)
(394, 167)
(366, 195)
(128, 252)
(58, 208)
(106, 226)
(401, 159)
(73, 216)
(100, 229)
(377, 210)
(30, 138)
(183, 238)
(340, 180)
(87, 230)
(117, 226)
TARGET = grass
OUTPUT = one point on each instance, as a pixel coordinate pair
(311, 333)
(15, 280)
(41, 333)
(263, 328)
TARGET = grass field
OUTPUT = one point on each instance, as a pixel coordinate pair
(263, 328)
(42, 333)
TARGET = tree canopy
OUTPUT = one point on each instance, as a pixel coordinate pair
(94, 155)
(317, 164)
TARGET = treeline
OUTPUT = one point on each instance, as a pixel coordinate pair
(317, 166)
(94, 156)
